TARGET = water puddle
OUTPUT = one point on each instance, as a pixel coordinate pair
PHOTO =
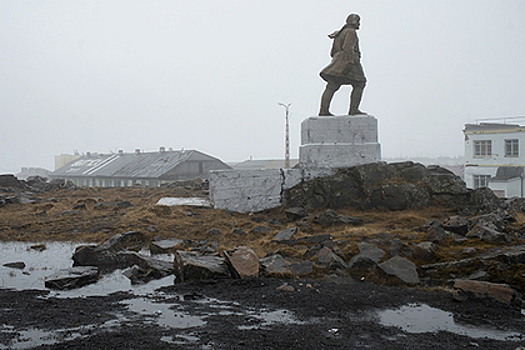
(57, 256)
(163, 314)
(32, 337)
(415, 318)
(264, 318)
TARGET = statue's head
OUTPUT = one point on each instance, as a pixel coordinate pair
(353, 20)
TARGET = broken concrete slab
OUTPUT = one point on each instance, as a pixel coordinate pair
(74, 277)
(188, 201)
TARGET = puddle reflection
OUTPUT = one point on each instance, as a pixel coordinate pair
(415, 318)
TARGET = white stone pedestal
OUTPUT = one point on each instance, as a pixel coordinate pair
(339, 141)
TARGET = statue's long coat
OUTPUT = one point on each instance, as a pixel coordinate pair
(345, 66)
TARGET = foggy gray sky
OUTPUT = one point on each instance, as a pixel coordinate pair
(118, 74)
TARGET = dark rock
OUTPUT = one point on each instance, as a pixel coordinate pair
(214, 232)
(74, 277)
(166, 246)
(80, 207)
(193, 266)
(425, 251)
(436, 234)
(285, 235)
(238, 231)
(274, 264)
(331, 218)
(9, 180)
(401, 268)
(144, 269)
(301, 268)
(369, 256)
(295, 213)
(16, 265)
(313, 251)
(330, 260)
(398, 247)
(260, 229)
(398, 197)
(315, 239)
(243, 260)
(488, 234)
(457, 225)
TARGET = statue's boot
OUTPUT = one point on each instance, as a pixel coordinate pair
(355, 100)
(326, 98)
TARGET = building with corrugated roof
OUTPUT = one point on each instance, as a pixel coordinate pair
(139, 168)
(495, 158)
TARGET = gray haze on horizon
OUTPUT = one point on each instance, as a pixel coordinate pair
(106, 75)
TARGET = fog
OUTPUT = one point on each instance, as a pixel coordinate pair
(101, 76)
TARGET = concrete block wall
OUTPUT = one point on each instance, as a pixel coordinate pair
(247, 191)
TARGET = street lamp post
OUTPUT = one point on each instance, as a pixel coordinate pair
(287, 136)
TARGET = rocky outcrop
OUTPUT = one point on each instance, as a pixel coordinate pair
(395, 186)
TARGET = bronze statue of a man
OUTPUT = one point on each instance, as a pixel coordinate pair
(345, 67)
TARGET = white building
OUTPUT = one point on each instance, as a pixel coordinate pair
(495, 158)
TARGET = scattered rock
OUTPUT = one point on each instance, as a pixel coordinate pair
(331, 218)
(457, 225)
(286, 287)
(315, 239)
(39, 247)
(193, 266)
(295, 213)
(166, 246)
(425, 251)
(243, 260)
(74, 277)
(330, 260)
(274, 264)
(401, 268)
(260, 229)
(488, 234)
(285, 235)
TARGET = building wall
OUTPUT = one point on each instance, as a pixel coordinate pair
(511, 188)
(488, 165)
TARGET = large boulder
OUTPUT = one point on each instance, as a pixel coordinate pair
(112, 254)
(193, 266)
(74, 277)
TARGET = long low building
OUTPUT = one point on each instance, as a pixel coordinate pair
(139, 168)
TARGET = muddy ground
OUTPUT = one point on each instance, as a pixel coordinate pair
(248, 314)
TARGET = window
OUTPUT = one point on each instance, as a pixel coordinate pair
(482, 148)
(481, 181)
(512, 148)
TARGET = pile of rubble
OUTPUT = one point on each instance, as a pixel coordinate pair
(15, 191)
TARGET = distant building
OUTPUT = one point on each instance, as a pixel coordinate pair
(264, 164)
(28, 172)
(495, 158)
(63, 159)
(142, 168)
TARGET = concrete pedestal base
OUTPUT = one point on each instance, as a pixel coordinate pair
(339, 141)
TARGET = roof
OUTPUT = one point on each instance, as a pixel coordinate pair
(505, 173)
(264, 164)
(129, 165)
(492, 128)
